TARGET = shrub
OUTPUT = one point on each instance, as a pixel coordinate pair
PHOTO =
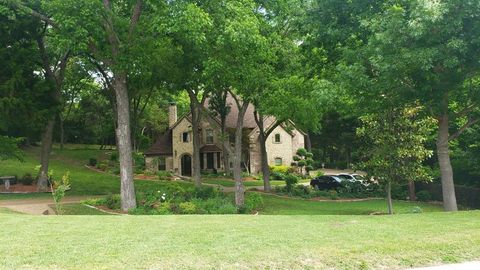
(296, 158)
(114, 156)
(253, 202)
(163, 208)
(138, 161)
(206, 192)
(27, 179)
(187, 208)
(417, 210)
(301, 152)
(103, 165)
(302, 191)
(309, 155)
(215, 206)
(277, 176)
(301, 163)
(112, 201)
(424, 196)
(290, 180)
(333, 194)
(92, 162)
(164, 174)
(281, 169)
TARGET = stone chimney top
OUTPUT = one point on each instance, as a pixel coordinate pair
(172, 114)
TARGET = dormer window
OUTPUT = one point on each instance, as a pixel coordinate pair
(209, 136)
(185, 137)
(277, 138)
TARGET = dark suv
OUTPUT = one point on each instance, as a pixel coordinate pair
(326, 182)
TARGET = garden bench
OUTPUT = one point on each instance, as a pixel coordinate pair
(8, 180)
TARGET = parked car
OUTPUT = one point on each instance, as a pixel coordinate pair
(326, 182)
(354, 178)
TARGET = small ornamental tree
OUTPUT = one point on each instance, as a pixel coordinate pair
(304, 159)
(394, 147)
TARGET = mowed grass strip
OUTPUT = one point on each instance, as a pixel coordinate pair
(238, 241)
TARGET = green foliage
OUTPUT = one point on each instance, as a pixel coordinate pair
(301, 152)
(394, 145)
(92, 162)
(187, 208)
(162, 175)
(27, 179)
(9, 148)
(283, 169)
(424, 196)
(253, 202)
(275, 175)
(290, 180)
(59, 188)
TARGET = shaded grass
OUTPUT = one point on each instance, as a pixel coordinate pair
(275, 205)
(239, 241)
(83, 180)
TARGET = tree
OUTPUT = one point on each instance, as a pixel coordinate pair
(394, 147)
(428, 52)
(9, 148)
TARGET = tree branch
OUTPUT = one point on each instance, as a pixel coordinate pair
(470, 122)
(137, 11)
(21, 7)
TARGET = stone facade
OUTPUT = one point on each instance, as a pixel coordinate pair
(281, 145)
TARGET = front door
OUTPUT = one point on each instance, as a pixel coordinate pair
(186, 165)
(210, 161)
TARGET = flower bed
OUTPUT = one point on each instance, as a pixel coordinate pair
(175, 199)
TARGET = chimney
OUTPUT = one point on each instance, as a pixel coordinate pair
(172, 114)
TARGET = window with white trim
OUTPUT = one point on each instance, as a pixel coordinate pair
(209, 136)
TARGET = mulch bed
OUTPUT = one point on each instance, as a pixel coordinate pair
(19, 188)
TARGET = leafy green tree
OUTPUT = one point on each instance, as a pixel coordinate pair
(394, 147)
(9, 148)
(428, 52)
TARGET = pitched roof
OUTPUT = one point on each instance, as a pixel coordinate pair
(210, 148)
(162, 146)
(232, 116)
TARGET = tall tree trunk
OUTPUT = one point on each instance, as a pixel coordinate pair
(62, 132)
(47, 140)
(264, 157)
(411, 191)
(446, 172)
(195, 111)
(123, 134)
(262, 139)
(237, 157)
(389, 198)
(225, 144)
(308, 142)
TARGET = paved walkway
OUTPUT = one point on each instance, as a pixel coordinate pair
(458, 266)
(38, 206)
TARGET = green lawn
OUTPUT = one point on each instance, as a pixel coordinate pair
(78, 209)
(275, 205)
(238, 241)
(83, 180)
(248, 183)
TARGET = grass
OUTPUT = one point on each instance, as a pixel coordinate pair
(275, 205)
(288, 233)
(239, 241)
(78, 209)
(248, 183)
(83, 180)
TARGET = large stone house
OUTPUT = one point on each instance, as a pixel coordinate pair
(174, 149)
